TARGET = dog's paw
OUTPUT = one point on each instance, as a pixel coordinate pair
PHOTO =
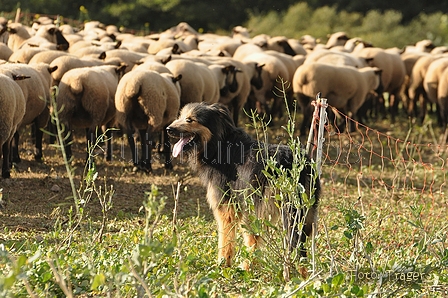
(245, 265)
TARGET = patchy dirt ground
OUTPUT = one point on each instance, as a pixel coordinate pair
(38, 193)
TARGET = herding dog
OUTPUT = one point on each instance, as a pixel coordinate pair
(228, 162)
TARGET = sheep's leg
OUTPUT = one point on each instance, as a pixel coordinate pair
(134, 152)
(39, 123)
(235, 110)
(166, 149)
(38, 134)
(108, 144)
(90, 138)
(51, 128)
(5, 166)
(146, 145)
(15, 157)
(68, 143)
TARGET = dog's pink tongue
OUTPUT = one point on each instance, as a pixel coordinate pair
(177, 148)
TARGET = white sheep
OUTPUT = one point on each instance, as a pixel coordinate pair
(416, 90)
(345, 87)
(13, 104)
(37, 93)
(431, 82)
(147, 102)
(442, 98)
(334, 58)
(87, 98)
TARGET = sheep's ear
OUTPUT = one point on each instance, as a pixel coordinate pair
(176, 49)
(12, 30)
(19, 77)
(121, 69)
(176, 79)
(259, 66)
(102, 56)
(165, 61)
(52, 69)
(227, 69)
(369, 61)
(118, 44)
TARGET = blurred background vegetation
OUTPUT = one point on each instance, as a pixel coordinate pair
(383, 23)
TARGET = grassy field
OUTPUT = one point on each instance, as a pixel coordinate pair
(382, 226)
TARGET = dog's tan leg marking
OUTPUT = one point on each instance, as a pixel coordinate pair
(227, 224)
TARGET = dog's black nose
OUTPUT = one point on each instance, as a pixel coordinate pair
(170, 131)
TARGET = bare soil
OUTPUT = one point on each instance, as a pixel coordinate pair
(39, 192)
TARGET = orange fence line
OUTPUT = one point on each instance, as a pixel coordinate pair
(388, 162)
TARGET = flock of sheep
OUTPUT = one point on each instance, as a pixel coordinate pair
(107, 79)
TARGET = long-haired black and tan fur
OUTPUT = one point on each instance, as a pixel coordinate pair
(228, 162)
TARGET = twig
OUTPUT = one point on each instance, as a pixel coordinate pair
(59, 280)
(303, 284)
(176, 200)
(139, 278)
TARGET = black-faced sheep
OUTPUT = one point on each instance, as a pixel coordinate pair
(392, 76)
(36, 92)
(66, 63)
(198, 81)
(337, 39)
(47, 36)
(233, 77)
(282, 44)
(345, 87)
(272, 72)
(13, 103)
(147, 102)
(87, 96)
(237, 85)
(127, 57)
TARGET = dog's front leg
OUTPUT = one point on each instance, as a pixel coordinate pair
(227, 225)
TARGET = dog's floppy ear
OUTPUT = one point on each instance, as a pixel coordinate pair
(223, 112)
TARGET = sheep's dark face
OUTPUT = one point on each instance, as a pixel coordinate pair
(199, 127)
